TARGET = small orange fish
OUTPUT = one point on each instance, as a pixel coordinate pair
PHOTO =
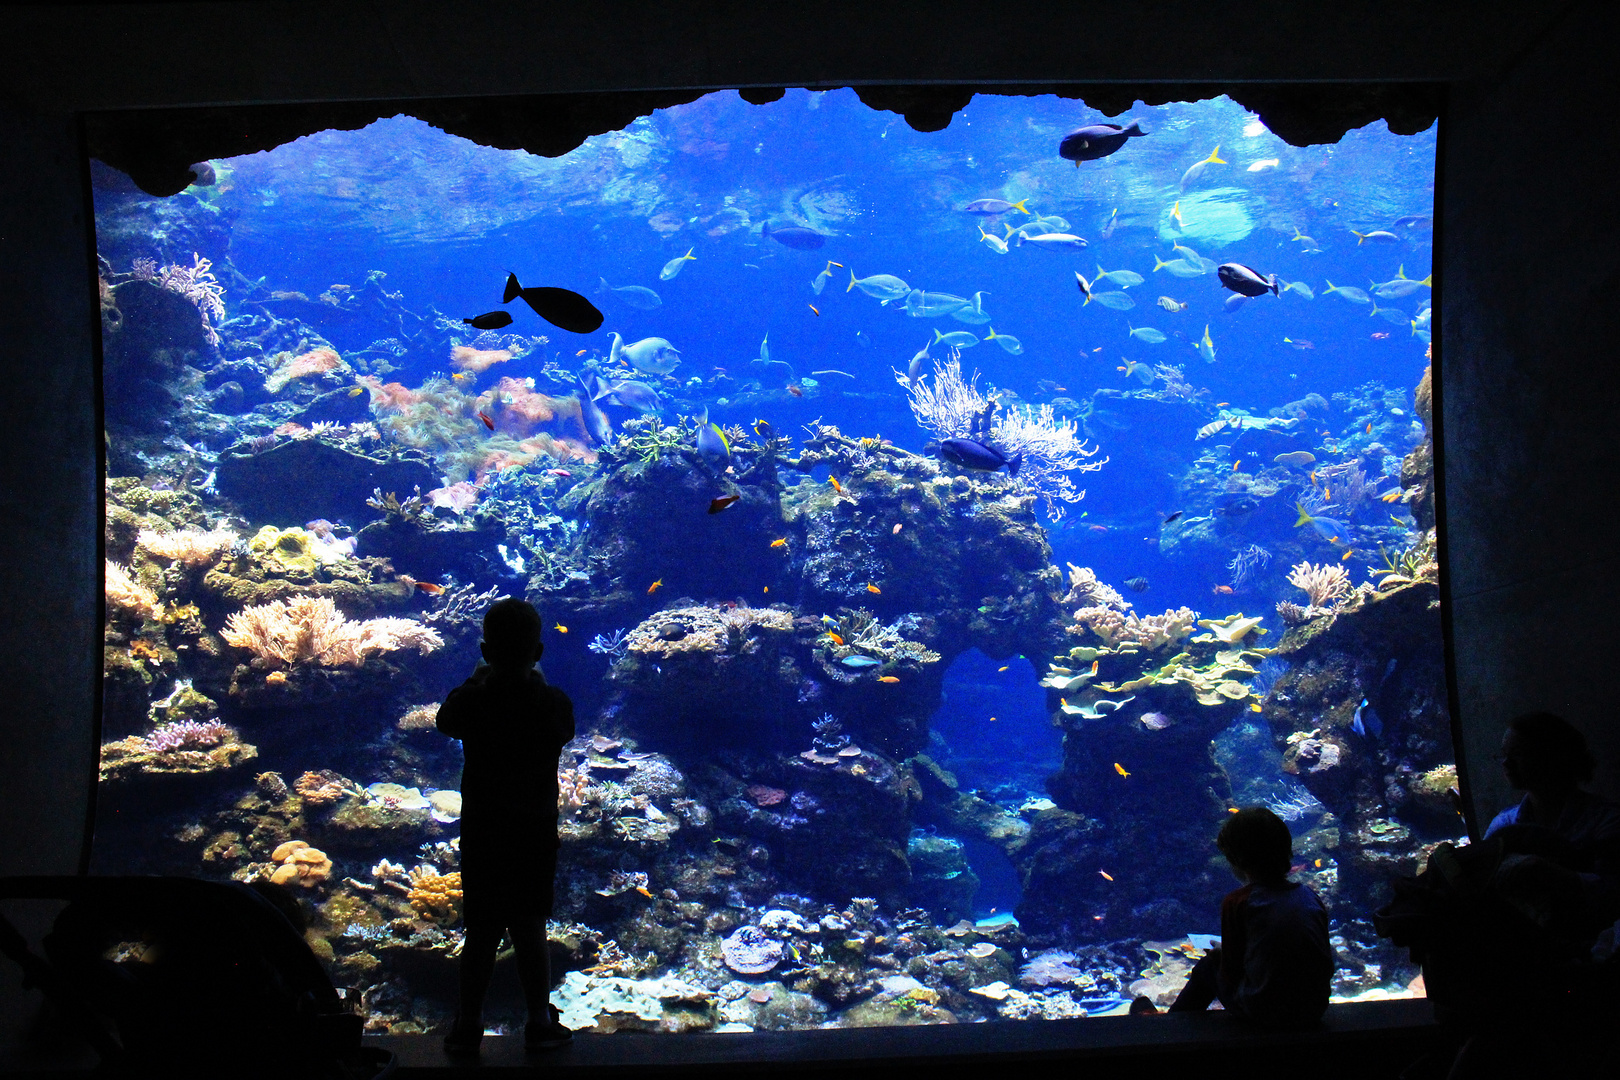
(1222, 404)
(1222, 590)
(1106, 874)
(580, 353)
(999, 670)
(1327, 493)
(873, 589)
(489, 423)
(1369, 427)
(1347, 553)
(644, 891)
(1098, 349)
(1313, 478)
(767, 588)
(654, 587)
(1121, 770)
(1235, 465)
(837, 639)
(1256, 707)
(836, 486)
(717, 505)
(779, 543)
(430, 588)
(796, 391)
(992, 719)
(1231, 809)
(887, 679)
(560, 628)
(1094, 664)
(1319, 864)
(896, 529)
(813, 307)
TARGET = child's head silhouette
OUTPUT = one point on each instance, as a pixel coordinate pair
(1257, 843)
(511, 633)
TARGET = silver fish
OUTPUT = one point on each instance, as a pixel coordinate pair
(634, 295)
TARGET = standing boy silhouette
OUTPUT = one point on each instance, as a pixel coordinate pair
(512, 725)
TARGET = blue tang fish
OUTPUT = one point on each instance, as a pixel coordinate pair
(976, 455)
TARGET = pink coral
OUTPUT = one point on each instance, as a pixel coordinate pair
(310, 629)
(765, 796)
(465, 358)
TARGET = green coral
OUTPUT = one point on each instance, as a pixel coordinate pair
(864, 635)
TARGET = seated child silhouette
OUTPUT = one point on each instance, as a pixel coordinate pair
(512, 725)
(1274, 964)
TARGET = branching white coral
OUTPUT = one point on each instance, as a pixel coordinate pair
(125, 592)
(192, 547)
(952, 407)
(1324, 585)
(310, 629)
(1086, 591)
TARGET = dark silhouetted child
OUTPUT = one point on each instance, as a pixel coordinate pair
(1274, 964)
(512, 725)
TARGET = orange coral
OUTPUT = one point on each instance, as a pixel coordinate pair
(519, 411)
(467, 358)
(390, 396)
(434, 895)
(314, 362)
(322, 787)
(300, 864)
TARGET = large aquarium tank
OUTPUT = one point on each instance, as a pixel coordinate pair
(939, 536)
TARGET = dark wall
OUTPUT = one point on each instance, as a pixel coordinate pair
(1528, 273)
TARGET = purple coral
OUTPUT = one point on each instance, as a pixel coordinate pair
(186, 735)
(750, 951)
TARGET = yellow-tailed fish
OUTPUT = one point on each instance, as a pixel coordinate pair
(1121, 770)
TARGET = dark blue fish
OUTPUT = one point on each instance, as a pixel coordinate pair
(976, 455)
(489, 320)
(1096, 141)
(1366, 722)
(1245, 280)
(794, 236)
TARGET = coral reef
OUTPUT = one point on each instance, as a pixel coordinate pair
(310, 629)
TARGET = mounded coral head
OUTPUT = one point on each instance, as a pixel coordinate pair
(750, 951)
(300, 865)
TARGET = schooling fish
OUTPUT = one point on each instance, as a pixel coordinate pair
(636, 296)
(825, 276)
(914, 369)
(1299, 287)
(1096, 141)
(1299, 343)
(1191, 175)
(1264, 164)
(489, 320)
(1377, 236)
(885, 287)
(1011, 344)
(1349, 292)
(1246, 280)
(956, 339)
(927, 305)
(1179, 267)
(794, 236)
(1400, 286)
(993, 242)
(976, 455)
(1146, 333)
(1393, 315)
(1123, 278)
(717, 505)
(674, 266)
(991, 207)
(1116, 301)
(562, 308)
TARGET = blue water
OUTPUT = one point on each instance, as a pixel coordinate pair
(446, 221)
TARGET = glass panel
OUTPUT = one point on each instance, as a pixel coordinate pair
(939, 539)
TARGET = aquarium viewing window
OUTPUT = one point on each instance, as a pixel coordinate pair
(939, 538)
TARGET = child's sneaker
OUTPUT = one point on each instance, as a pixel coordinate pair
(463, 1040)
(547, 1036)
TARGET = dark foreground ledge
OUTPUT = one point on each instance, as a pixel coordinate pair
(1364, 1040)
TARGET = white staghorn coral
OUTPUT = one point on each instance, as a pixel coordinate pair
(191, 547)
(125, 592)
(1086, 591)
(310, 629)
(1324, 585)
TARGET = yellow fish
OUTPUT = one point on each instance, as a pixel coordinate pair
(357, 391)
(654, 587)
(887, 679)
(992, 719)
(1327, 493)
(1235, 465)
(779, 543)
(1231, 809)
(1094, 664)
(644, 891)
(999, 670)
(1319, 864)
(1347, 553)
(560, 628)
(1391, 496)
(1121, 770)
(873, 589)
(1106, 874)
(836, 486)
(1255, 707)
(1369, 427)
(767, 588)
(463, 376)
(1175, 215)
